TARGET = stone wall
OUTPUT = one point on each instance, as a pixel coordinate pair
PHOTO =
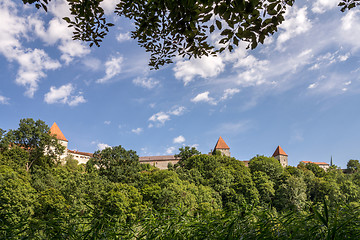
(160, 162)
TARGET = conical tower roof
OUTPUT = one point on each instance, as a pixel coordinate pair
(55, 130)
(279, 151)
(221, 144)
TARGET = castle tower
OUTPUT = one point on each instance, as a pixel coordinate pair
(281, 156)
(55, 131)
(222, 147)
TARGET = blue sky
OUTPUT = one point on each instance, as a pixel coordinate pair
(299, 90)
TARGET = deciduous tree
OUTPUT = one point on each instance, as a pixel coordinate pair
(117, 164)
(353, 166)
(34, 137)
(270, 166)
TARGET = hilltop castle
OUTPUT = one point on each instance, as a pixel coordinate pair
(162, 162)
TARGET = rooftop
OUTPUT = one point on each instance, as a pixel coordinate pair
(221, 144)
(80, 153)
(55, 131)
(279, 151)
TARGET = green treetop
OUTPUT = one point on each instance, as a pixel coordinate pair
(34, 137)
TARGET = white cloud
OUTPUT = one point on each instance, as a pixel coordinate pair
(113, 67)
(76, 100)
(170, 150)
(59, 8)
(93, 64)
(315, 66)
(160, 118)
(331, 85)
(123, 37)
(32, 65)
(252, 71)
(4, 100)
(64, 95)
(72, 49)
(349, 32)
(137, 130)
(102, 146)
(34, 62)
(145, 82)
(107, 122)
(58, 31)
(177, 111)
(328, 59)
(179, 139)
(229, 93)
(109, 5)
(343, 58)
(321, 6)
(296, 23)
(313, 85)
(204, 67)
(204, 97)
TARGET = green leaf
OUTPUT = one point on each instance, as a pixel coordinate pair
(67, 19)
(218, 24)
(236, 41)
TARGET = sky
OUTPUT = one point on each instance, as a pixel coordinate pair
(299, 90)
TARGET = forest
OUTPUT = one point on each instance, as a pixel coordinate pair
(203, 196)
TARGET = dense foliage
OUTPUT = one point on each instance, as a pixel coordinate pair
(168, 28)
(201, 197)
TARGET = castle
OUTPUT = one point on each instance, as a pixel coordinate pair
(221, 146)
(162, 162)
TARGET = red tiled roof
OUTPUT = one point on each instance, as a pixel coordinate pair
(221, 144)
(279, 151)
(317, 163)
(80, 153)
(55, 130)
(306, 161)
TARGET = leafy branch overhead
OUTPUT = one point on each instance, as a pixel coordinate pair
(167, 28)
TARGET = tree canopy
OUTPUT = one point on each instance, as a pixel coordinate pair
(167, 28)
(205, 197)
(33, 137)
